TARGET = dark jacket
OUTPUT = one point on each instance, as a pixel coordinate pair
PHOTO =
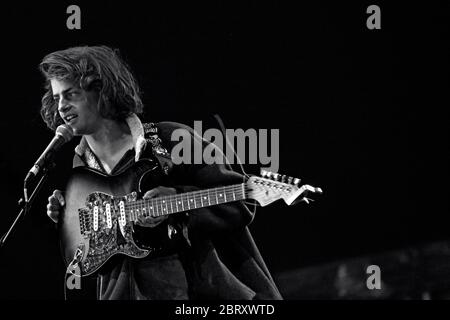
(213, 255)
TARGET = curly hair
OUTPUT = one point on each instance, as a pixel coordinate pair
(93, 68)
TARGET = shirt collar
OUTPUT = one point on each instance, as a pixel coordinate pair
(137, 133)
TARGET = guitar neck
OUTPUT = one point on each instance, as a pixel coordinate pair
(166, 205)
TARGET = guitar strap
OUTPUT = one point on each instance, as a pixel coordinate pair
(165, 160)
(158, 150)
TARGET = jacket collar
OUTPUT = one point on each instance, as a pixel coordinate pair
(137, 133)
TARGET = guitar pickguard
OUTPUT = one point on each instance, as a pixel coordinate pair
(106, 240)
(93, 218)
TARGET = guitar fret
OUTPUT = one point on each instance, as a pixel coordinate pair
(193, 200)
(165, 202)
(150, 208)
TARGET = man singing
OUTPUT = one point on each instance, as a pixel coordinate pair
(208, 253)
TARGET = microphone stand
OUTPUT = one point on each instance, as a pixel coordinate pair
(25, 202)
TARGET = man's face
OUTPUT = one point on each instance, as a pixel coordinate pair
(77, 107)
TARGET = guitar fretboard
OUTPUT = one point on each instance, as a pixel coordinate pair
(166, 205)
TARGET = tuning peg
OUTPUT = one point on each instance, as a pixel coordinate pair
(263, 173)
(276, 177)
(296, 181)
(283, 178)
(289, 180)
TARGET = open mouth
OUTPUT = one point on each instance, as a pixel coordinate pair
(70, 117)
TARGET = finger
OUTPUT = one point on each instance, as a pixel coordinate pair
(159, 191)
(53, 207)
(53, 215)
(155, 219)
(149, 219)
(151, 193)
(60, 197)
(52, 200)
(146, 224)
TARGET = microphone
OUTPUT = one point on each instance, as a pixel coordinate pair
(63, 134)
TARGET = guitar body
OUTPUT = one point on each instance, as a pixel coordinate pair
(88, 191)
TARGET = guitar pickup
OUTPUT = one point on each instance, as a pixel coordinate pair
(108, 215)
(95, 218)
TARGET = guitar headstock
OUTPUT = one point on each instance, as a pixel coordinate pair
(271, 187)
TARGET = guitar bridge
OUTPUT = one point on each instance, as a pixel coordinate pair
(85, 221)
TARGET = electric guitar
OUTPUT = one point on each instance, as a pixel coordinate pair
(101, 210)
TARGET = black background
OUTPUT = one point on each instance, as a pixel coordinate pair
(361, 113)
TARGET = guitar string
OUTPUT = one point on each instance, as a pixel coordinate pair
(166, 211)
(194, 196)
(128, 216)
(195, 200)
(170, 204)
(191, 196)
